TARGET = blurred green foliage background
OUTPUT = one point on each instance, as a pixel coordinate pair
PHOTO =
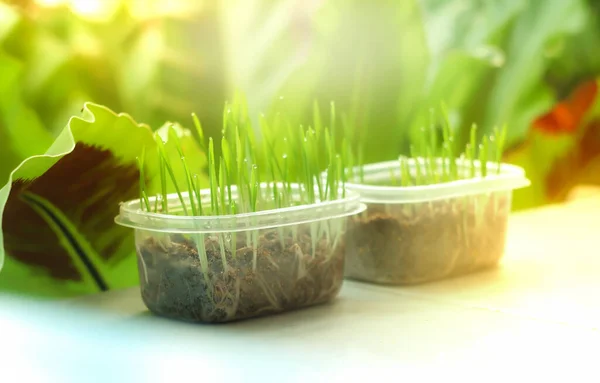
(384, 62)
(532, 65)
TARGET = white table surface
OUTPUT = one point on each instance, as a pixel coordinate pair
(534, 316)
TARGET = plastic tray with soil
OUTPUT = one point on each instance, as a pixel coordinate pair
(287, 276)
(426, 241)
(428, 217)
(242, 248)
(284, 259)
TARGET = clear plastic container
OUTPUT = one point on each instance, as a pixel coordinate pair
(225, 268)
(417, 234)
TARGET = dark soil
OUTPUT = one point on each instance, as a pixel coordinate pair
(425, 242)
(286, 277)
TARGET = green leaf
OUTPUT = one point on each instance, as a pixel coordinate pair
(58, 234)
(465, 26)
(519, 96)
(465, 44)
(577, 55)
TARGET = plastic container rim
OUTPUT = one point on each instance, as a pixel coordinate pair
(130, 215)
(510, 177)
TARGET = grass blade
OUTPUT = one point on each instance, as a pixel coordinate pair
(144, 201)
(500, 141)
(212, 176)
(167, 163)
(173, 137)
(200, 132)
(418, 174)
(472, 146)
(483, 156)
(196, 186)
(223, 186)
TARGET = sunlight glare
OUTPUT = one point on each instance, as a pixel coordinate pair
(94, 9)
(144, 9)
(86, 7)
(50, 3)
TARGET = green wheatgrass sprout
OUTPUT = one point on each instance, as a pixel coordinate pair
(283, 156)
(172, 134)
(212, 178)
(163, 177)
(448, 160)
(432, 147)
(405, 177)
(499, 139)
(223, 187)
(340, 174)
(318, 125)
(166, 163)
(448, 135)
(348, 158)
(430, 161)
(199, 131)
(144, 201)
(483, 156)
(471, 148)
(197, 194)
(418, 170)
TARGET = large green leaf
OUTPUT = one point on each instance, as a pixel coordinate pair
(519, 94)
(578, 59)
(58, 236)
(464, 39)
